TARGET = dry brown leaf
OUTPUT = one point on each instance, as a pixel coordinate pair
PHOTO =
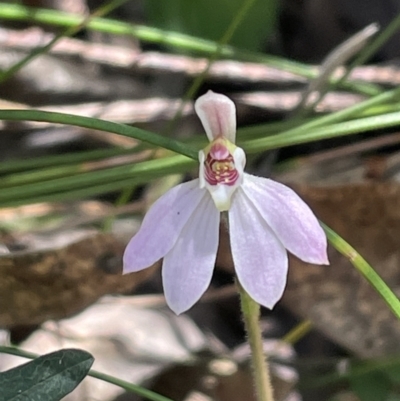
(338, 300)
(60, 276)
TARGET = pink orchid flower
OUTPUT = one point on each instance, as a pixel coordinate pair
(265, 219)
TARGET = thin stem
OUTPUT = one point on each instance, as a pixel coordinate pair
(251, 317)
(298, 332)
(101, 125)
(364, 268)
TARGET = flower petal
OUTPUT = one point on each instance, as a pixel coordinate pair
(162, 226)
(292, 220)
(218, 115)
(260, 259)
(188, 267)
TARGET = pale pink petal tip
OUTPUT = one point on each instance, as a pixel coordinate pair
(218, 116)
(162, 226)
(289, 217)
(260, 259)
(187, 269)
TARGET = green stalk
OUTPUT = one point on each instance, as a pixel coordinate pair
(347, 113)
(141, 171)
(73, 194)
(298, 136)
(298, 332)
(251, 317)
(305, 133)
(101, 125)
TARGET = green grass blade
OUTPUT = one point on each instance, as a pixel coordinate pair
(101, 125)
(142, 170)
(365, 269)
(168, 38)
(299, 135)
(71, 30)
(35, 163)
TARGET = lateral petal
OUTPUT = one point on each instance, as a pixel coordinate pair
(162, 226)
(260, 259)
(218, 116)
(289, 217)
(187, 269)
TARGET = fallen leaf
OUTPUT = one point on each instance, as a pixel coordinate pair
(338, 300)
(61, 274)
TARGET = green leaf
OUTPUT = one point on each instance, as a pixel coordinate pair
(373, 386)
(133, 388)
(47, 378)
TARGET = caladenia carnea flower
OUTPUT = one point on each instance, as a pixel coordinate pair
(265, 219)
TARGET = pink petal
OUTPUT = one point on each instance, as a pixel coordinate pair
(260, 259)
(162, 226)
(188, 267)
(218, 116)
(289, 217)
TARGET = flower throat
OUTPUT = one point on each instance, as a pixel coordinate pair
(220, 165)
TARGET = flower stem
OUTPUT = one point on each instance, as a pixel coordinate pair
(251, 316)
